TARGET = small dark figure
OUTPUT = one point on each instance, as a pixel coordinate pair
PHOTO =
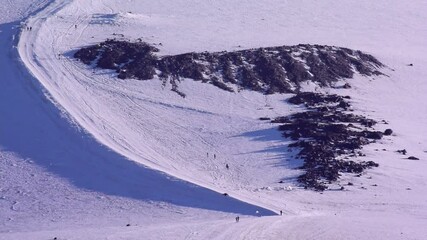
(403, 151)
(31, 28)
(207, 154)
(225, 194)
(75, 26)
(281, 212)
(214, 156)
(226, 166)
(237, 219)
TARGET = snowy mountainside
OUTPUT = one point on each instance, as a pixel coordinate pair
(138, 126)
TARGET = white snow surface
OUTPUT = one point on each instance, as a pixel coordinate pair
(83, 153)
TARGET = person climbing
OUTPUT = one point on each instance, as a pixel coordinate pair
(75, 26)
(214, 156)
(281, 212)
(226, 166)
(237, 219)
(207, 154)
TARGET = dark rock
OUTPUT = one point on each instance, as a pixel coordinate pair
(413, 158)
(225, 194)
(344, 105)
(373, 135)
(346, 86)
(388, 132)
(268, 70)
(264, 118)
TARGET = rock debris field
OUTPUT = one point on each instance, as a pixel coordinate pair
(328, 136)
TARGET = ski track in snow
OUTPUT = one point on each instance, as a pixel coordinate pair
(148, 124)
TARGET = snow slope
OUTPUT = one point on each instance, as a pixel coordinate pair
(150, 125)
(53, 175)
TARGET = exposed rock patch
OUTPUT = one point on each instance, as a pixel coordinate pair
(327, 136)
(268, 70)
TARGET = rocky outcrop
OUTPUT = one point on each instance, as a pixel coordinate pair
(267, 70)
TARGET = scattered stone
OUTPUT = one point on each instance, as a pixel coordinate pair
(346, 86)
(350, 184)
(264, 118)
(388, 132)
(225, 194)
(413, 158)
(408, 189)
(128, 225)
